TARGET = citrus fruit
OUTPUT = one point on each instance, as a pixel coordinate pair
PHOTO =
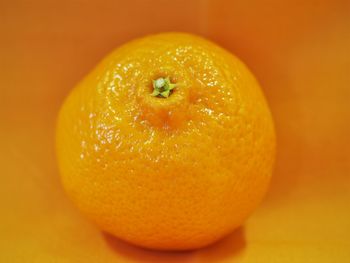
(168, 143)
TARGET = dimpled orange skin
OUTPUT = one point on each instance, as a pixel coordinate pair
(172, 173)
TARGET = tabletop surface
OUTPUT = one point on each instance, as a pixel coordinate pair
(298, 50)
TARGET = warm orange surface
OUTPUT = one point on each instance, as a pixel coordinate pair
(174, 173)
(300, 53)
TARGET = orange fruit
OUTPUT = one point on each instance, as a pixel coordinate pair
(168, 143)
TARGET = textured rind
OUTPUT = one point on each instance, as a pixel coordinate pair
(176, 173)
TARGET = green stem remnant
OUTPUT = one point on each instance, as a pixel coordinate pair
(162, 87)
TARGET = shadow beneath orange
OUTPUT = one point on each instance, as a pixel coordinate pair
(231, 246)
(228, 247)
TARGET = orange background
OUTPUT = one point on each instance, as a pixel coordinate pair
(300, 53)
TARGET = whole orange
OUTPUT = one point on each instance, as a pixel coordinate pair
(168, 143)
